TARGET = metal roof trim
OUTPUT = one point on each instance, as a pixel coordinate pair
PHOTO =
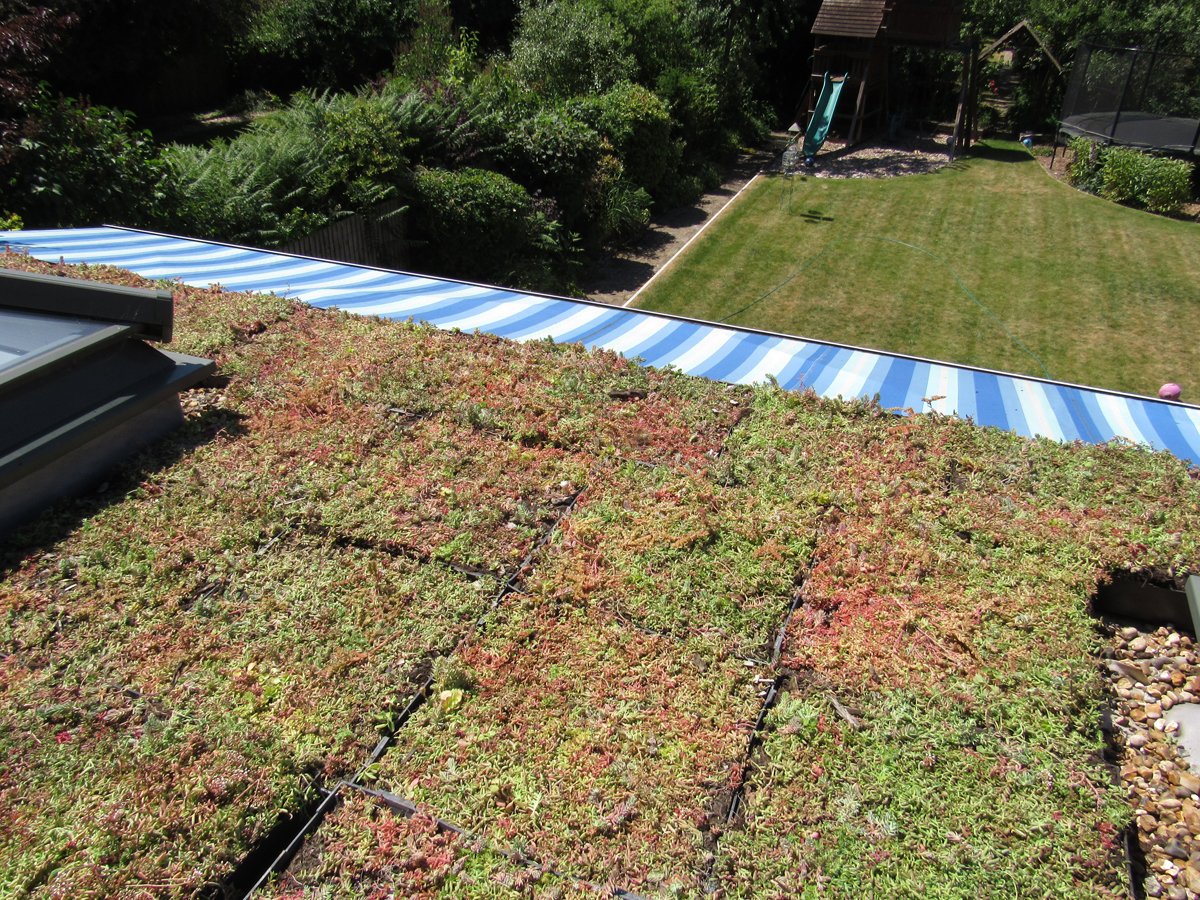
(689, 319)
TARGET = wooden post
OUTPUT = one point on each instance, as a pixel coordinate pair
(955, 146)
(973, 98)
(858, 106)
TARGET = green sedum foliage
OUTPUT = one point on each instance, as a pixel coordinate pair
(236, 618)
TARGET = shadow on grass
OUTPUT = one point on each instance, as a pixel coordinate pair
(65, 517)
(997, 154)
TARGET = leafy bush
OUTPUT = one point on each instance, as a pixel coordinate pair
(1084, 169)
(626, 211)
(695, 104)
(28, 37)
(555, 152)
(442, 129)
(328, 42)
(482, 226)
(568, 47)
(291, 173)
(362, 145)
(1167, 184)
(1126, 175)
(638, 125)
(1123, 173)
(660, 34)
(77, 164)
(261, 188)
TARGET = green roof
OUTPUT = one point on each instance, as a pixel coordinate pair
(675, 635)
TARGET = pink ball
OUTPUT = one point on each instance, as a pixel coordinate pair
(1169, 391)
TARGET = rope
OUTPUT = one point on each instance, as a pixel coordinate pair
(869, 237)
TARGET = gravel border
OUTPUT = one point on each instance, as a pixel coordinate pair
(1150, 672)
(879, 158)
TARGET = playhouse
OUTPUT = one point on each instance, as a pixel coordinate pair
(854, 39)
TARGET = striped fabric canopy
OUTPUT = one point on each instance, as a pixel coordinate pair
(1029, 406)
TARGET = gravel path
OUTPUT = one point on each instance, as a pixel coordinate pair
(618, 276)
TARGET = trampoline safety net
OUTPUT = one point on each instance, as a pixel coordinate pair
(1145, 98)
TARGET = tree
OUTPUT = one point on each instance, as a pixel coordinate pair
(570, 47)
(328, 43)
(28, 36)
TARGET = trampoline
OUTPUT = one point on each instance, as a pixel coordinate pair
(1146, 131)
(1143, 98)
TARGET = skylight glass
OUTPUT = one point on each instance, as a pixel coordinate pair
(24, 335)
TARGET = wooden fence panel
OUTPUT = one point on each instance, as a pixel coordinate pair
(372, 239)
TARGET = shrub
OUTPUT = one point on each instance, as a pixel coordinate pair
(1126, 175)
(694, 102)
(363, 148)
(555, 152)
(638, 125)
(659, 33)
(440, 128)
(77, 165)
(1084, 170)
(1123, 173)
(293, 172)
(1167, 184)
(262, 188)
(328, 42)
(482, 226)
(567, 48)
(626, 211)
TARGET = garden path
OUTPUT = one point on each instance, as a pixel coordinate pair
(616, 277)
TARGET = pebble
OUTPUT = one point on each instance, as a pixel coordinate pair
(199, 400)
(1151, 672)
(878, 160)
(1175, 849)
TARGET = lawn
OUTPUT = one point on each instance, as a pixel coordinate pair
(1102, 294)
(675, 636)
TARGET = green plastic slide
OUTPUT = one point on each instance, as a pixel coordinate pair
(822, 118)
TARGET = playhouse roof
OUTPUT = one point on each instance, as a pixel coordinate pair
(850, 18)
(912, 23)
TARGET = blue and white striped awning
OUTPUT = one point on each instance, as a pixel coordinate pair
(1029, 406)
